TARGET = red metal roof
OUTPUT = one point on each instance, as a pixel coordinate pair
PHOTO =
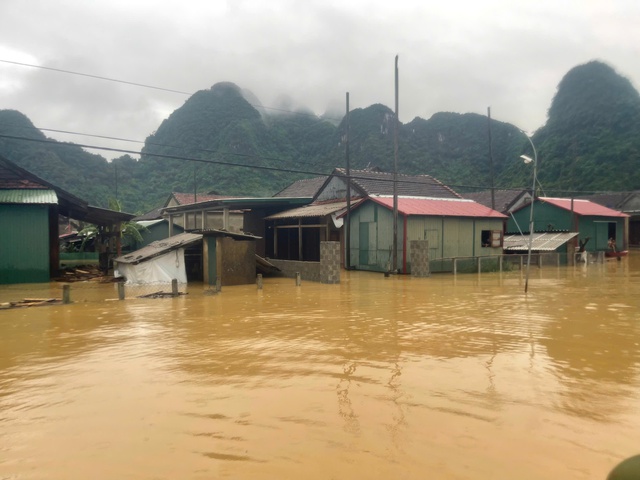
(583, 207)
(439, 207)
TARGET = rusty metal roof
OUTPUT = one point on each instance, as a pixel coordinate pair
(314, 210)
(29, 195)
(542, 242)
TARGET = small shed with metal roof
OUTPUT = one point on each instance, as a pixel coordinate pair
(201, 256)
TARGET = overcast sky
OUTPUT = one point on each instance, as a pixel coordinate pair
(454, 55)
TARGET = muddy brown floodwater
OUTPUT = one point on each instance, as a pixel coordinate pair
(375, 378)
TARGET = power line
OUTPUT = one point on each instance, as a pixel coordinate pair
(144, 85)
(283, 170)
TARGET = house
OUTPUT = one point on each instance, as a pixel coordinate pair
(451, 227)
(594, 223)
(625, 202)
(29, 211)
(425, 201)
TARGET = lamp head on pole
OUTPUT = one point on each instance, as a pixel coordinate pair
(526, 159)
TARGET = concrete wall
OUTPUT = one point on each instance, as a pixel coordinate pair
(288, 268)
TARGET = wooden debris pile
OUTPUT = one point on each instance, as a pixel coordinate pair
(161, 294)
(83, 274)
(31, 302)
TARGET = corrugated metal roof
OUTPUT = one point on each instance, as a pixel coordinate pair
(583, 207)
(29, 195)
(546, 242)
(318, 210)
(449, 207)
(159, 247)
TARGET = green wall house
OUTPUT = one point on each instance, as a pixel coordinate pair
(589, 219)
(29, 211)
(453, 227)
(25, 224)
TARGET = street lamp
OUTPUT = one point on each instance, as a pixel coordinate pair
(528, 160)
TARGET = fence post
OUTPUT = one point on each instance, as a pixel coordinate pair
(259, 281)
(298, 279)
(120, 291)
(66, 294)
(174, 287)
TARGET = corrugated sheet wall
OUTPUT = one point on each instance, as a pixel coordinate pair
(24, 244)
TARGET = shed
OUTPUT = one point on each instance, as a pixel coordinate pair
(157, 263)
(203, 256)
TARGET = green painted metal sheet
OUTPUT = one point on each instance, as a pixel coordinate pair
(28, 195)
(24, 244)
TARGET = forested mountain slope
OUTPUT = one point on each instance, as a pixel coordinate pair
(222, 140)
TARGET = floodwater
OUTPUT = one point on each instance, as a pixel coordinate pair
(375, 378)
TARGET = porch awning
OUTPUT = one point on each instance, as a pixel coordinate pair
(317, 210)
(542, 242)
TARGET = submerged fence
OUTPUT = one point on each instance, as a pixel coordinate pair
(511, 262)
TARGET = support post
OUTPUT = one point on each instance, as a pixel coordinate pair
(66, 294)
(455, 266)
(218, 284)
(259, 281)
(120, 291)
(174, 287)
(298, 279)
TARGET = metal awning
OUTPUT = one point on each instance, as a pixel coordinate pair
(38, 196)
(318, 210)
(542, 242)
(159, 247)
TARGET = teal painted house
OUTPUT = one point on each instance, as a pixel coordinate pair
(29, 211)
(589, 219)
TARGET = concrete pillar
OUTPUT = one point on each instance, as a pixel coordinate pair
(419, 257)
(329, 262)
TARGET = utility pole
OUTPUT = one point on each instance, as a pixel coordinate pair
(491, 171)
(395, 176)
(347, 240)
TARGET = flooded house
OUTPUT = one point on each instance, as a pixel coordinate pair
(29, 211)
(625, 202)
(429, 212)
(579, 223)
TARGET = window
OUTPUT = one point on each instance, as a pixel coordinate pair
(491, 238)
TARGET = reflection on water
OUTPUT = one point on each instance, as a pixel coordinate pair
(375, 378)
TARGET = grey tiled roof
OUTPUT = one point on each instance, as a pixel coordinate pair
(381, 183)
(307, 187)
(504, 199)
